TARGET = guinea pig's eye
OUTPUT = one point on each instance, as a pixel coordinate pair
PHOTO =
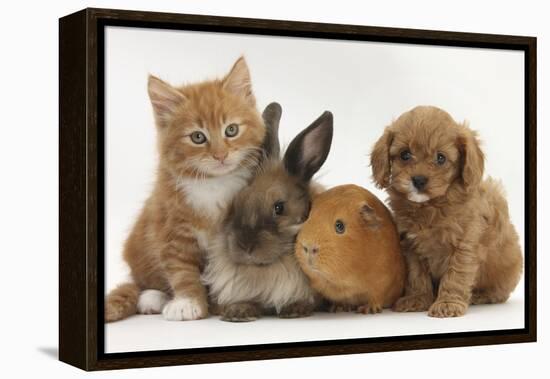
(405, 155)
(279, 207)
(441, 159)
(339, 227)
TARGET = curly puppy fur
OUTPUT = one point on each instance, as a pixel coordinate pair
(459, 244)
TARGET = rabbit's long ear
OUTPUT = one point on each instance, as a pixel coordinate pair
(272, 116)
(308, 150)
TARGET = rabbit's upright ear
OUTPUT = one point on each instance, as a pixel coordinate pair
(308, 150)
(272, 116)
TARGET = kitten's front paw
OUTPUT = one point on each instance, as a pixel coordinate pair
(241, 312)
(447, 309)
(151, 302)
(295, 310)
(413, 303)
(185, 308)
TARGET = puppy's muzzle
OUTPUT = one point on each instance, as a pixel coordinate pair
(419, 182)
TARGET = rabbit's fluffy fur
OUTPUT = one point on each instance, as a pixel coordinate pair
(230, 282)
(251, 268)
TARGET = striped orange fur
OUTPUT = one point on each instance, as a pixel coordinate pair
(196, 179)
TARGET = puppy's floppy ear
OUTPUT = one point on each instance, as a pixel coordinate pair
(471, 157)
(380, 159)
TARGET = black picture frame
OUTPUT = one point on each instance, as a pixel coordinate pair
(81, 187)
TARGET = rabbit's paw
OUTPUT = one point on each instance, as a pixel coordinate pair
(298, 309)
(241, 312)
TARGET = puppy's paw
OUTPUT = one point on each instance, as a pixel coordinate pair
(447, 309)
(295, 310)
(486, 297)
(369, 309)
(413, 303)
(185, 308)
(151, 302)
(241, 312)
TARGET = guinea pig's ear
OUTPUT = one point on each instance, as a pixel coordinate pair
(272, 117)
(380, 159)
(308, 150)
(471, 158)
(369, 216)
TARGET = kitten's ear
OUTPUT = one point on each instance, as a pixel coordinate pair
(308, 150)
(238, 81)
(272, 116)
(164, 98)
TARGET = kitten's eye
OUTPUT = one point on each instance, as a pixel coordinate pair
(232, 130)
(441, 159)
(198, 137)
(406, 155)
(340, 227)
(279, 207)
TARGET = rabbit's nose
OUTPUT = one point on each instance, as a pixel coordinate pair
(310, 248)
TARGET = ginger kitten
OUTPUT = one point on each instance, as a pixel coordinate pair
(209, 140)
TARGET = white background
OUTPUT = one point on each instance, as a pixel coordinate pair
(365, 85)
(28, 152)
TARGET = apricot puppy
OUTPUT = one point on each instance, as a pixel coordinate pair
(459, 244)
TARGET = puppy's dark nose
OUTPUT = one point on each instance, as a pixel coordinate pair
(419, 182)
(313, 249)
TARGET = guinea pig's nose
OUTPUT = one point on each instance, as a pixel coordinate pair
(313, 249)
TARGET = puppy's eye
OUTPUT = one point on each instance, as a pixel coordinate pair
(339, 226)
(232, 130)
(441, 159)
(405, 155)
(279, 208)
(198, 138)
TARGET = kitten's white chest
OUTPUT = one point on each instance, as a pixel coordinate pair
(211, 196)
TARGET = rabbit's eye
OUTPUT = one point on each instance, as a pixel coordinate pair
(340, 227)
(279, 208)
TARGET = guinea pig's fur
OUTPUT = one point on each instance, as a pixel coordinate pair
(251, 268)
(360, 264)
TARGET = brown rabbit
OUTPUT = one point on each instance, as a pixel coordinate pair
(251, 268)
(349, 248)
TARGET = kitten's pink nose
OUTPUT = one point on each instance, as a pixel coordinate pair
(220, 156)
